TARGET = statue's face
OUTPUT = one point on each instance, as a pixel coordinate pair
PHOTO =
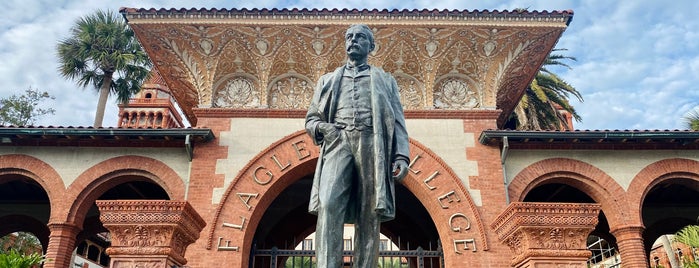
(358, 43)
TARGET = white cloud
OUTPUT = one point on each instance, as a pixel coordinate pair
(637, 60)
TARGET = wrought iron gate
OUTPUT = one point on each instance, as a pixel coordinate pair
(281, 258)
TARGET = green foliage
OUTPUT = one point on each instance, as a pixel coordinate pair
(689, 236)
(691, 119)
(23, 110)
(14, 259)
(686, 263)
(391, 263)
(21, 241)
(102, 51)
(300, 262)
(538, 108)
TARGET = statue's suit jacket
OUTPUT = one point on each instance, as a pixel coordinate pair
(390, 135)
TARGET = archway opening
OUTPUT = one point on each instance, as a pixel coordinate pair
(287, 225)
(24, 213)
(94, 239)
(668, 207)
(600, 242)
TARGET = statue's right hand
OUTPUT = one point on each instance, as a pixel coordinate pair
(326, 128)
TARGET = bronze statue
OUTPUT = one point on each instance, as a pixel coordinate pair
(357, 119)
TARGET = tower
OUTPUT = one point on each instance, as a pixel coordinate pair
(152, 107)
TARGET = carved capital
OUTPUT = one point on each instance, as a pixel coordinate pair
(547, 233)
(150, 229)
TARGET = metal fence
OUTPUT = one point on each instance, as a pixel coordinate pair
(282, 258)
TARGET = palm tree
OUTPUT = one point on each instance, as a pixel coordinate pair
(102, 51)
(545, 97)
(692, 119)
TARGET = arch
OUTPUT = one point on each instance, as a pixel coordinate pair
(266, 175)
(39, 171)
(654, 174)
(585, 177)
(99, 178)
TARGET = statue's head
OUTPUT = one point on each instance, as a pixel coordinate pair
(359, 41)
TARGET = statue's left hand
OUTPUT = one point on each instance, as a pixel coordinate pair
(400, 169)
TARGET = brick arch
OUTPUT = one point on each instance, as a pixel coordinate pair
(654, 174)
(585, 177)
(109, 173)
(39, 171)
(301, 161)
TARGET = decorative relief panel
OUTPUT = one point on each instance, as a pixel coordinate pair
(539, 234)
(141, 236)
(237, 92)
(457, 94)
(290, 92)
(148, 232)
(138, 264)
(412, 92)
(498, 55)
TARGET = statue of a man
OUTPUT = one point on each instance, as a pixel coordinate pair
(357, 119)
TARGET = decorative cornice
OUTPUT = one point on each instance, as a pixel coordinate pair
(545, 232)
(272, 59)
(165, 212)
(298, 113)
(333, 16)
(150, 228)
(520, 214)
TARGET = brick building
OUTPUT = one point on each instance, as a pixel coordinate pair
(233, 188)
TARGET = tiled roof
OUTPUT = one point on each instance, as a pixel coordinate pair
(345, 11)
(101, 137)
(591, 139)
(203, 13)
(155, 78)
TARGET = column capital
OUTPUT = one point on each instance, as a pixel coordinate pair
(547, 234)
(629, 240)
(63, 229)
(627, 230)
(150, 231)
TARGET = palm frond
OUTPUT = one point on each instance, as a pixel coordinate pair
(101, 47)
(691, 119)
(546, 95)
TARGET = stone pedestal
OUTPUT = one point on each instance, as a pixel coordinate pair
(149, 233)
(546, 235)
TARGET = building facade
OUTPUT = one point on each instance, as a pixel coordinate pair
(237, 183)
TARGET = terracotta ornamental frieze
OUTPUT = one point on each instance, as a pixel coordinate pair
(270, 59)
(547, 234)
(158, 231)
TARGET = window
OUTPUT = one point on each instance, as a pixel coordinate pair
(347, 244)
(307, 244)
(383, 244)
(656, 260)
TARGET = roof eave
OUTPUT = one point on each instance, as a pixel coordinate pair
(489, 137)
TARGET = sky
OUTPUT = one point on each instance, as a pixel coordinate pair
(637, 62)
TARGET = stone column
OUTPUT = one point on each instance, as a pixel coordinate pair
(149, 233)
(61, 245)
(629, 239)
(546, 235)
